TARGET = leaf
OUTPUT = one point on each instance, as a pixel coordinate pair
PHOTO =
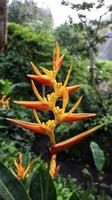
(98, 156)
(74, 196)
(42, 186)
(10, 187)
(87, 194)
(22, 85)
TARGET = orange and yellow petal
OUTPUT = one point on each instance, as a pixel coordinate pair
(35, 69)
(27, 170)
(31, 126)
(43, 79)
(70, 142)
(76, 105)
(59, 63)
(72, 89)
(42, 106)
(71, 117)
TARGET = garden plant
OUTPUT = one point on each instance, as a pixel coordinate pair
(41, 186)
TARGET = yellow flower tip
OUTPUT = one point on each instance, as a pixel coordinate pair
(16, 102)
(65, 98)
(35, 69)
(67, 77)
(76, 105)
(59, 63)
(57, 49)
(57, 59)
(20, 157)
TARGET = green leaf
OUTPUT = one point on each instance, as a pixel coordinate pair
(87, 194)
(42, 186)
(98, 156)
(74, 196)
(10, 187)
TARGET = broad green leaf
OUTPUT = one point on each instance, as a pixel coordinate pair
(87, 194)
(98, 156)
(10, 187)
(74, 196)
(42, 186)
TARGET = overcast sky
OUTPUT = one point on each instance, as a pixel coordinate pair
(60, 13)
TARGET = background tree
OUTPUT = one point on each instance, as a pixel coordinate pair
(70, 37)
(3, 24)
(28, 13)
(23, 47)
(92, 29)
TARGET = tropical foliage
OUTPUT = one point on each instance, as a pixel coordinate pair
(31, 38)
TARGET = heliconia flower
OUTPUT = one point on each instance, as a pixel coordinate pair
(38, 105)
(57, 59)
(50, 102)
(70, 142)
(21, 172)
(53, 168)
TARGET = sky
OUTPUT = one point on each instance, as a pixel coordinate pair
(60, 13)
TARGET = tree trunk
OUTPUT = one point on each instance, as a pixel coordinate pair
(3, 24)
(92, 79)
(92, 74)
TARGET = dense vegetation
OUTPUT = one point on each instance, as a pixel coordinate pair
(31, 37)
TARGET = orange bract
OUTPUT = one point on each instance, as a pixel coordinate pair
(43, 79)
(42, 106)
(70, 142)
(76, 117)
